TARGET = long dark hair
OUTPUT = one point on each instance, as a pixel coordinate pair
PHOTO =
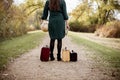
(54, 5)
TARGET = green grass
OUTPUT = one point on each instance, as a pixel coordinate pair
(19, 45)
(112, 56)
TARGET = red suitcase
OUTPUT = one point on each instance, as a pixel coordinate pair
(45, 52)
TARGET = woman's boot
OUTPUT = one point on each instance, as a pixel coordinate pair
(52, 57)
(59, 57)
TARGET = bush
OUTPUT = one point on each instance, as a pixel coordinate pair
(12, 22)
(82, 26)
(75, 26)
(31, 28)
(111, 29)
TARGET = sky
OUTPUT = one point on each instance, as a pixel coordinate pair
(71, 4)
(18, 1)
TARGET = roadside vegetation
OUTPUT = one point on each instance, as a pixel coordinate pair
(111, 30)
(10, 49)
(17, 20)
(96, 16)
(100, 52)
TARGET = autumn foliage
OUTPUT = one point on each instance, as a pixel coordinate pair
(111, 29)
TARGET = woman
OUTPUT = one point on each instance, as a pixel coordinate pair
(57, 20)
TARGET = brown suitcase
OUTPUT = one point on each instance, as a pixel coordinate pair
(66, 55)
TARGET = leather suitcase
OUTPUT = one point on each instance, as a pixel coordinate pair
(45, 52)
(66, 55)
(73, 56)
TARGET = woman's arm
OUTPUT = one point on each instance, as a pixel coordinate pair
(45, 11)
(65, 15)
(67, 24)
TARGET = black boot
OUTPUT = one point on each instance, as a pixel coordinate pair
(59, 57)
(52, 57)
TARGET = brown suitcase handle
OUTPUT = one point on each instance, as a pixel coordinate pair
(65, 48)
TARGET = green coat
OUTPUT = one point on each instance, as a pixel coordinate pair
(56, 26)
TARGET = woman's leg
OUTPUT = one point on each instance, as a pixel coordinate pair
(52, 41)
(59, 46)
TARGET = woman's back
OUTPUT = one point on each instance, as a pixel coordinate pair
(56, 19)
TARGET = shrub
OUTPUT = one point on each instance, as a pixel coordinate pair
(30, 28)
(75, 26)
(12, 22)
(111, 29)
(82, 26)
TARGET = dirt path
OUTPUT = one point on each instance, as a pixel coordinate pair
(29, 67)
(109, 42)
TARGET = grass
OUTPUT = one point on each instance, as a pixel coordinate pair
(112, 56)
(15, 47)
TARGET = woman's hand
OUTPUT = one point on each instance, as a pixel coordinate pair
(68, 27)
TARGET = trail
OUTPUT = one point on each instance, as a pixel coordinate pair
(109, 42)
(29, 67)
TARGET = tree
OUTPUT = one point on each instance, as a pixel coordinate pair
(13, 19)
(104, 10)
(4, 16)
(33, 5)
(33, 9)
(82, 11)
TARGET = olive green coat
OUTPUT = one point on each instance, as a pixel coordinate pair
(56, 26)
